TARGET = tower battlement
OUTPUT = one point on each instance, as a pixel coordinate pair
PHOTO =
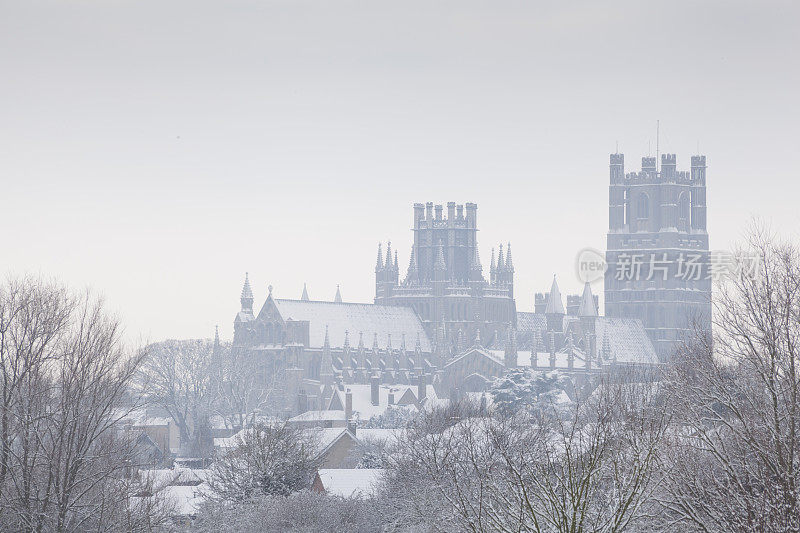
(430, 215)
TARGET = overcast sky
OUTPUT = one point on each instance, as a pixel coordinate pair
(156, 150)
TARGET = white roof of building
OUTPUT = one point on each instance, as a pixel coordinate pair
(318, 416)
(350, 482)
(326, 437)
(379, 435)
(362, 398)
(356, 318)
(187, 499)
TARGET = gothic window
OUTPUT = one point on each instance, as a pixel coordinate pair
(626, 208)
(643, 206)
(684, 212)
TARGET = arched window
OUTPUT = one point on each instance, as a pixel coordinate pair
(627, 208)
(684, 212)
(643, 206)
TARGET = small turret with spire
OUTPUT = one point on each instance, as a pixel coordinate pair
(555, 309)
(247, 295)
(304, 297)
(338, 298)
(493, 270)
(379, 263)
(587, 308)
(412, 276)
(326, 368)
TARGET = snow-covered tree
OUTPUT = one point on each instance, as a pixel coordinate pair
(525, 388)
(532, 469)
(735, 458)
(178, 377)
(275, 458)
(64, 375)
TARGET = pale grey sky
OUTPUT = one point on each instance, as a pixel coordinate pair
(157, 150)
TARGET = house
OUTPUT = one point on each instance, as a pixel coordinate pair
(348, 482)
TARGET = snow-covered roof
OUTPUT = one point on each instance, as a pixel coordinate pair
(318, 416)
(362, 398)
(183, 488)
(328, 436)
(379, 435)
(187, 499)
(496, 355)
(325, 437)
(350, 482)
(356, 318)
(626, 339)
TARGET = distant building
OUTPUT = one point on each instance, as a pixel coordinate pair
(444, 326)
(658, 251)
(573, 340)
(307, 348)
(444, 282)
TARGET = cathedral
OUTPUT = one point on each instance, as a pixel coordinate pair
(444, 327)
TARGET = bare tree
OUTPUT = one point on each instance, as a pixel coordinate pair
(241, 391)
(178, 376)
(65, 374)
(276, 459)
(588, 466)
(734, 461)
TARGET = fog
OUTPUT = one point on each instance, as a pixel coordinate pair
(158, 150)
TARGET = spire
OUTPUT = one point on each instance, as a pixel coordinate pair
(216, 340)
(338, 298)
(375, 363)
(476, 264)
(379, 264)
(477, 336)
(347, 360)
(304, 297)
(440, 265)
(501, 264)
(413, 274)
(389, 255)
(587, 302)
(360, 352)
(492, 267)
(326, 365)
(247, 294)
(396, 269)
(554, 304)
(509, 262)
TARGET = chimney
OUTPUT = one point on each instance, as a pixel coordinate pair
(422, 389)
(374, 389)
(348, 405)
(391, 397)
